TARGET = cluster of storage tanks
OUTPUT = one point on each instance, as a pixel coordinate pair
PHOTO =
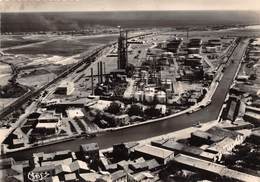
(214, 45)
(149, 95)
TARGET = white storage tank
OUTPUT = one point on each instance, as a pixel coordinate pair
(139, 96)
(168, 54)
(149, 96)
(149, 89)
(161, 97)
(145, 80)
(143, 74)
(211, 49)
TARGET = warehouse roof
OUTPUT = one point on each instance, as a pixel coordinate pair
(117, 175)
(176, 146)
(90, 177)
(76, 165)
(223, 133)
(90, 147)
(214, 168)
(154, 151)
(46, 125)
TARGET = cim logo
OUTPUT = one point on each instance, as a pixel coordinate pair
(39, 176)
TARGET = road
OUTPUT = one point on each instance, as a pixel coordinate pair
(106, 140)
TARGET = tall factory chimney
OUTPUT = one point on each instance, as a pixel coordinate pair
(126, 47)
(104, 68)
(98, 73)
(122, 49)
(92, 82)
(101, 71)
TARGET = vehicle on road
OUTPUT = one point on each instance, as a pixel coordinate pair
(198, 125)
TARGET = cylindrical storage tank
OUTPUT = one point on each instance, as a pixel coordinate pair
(164, 61)
(143, 73)
(168, 54)
(149, 89)
(149, 97)
(211, 49)
(139, 96)
(161, 97)
(170, 101)
(218, 48)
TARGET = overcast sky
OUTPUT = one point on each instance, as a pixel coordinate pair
(124, 5)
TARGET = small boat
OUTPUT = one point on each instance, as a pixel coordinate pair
(198, 125)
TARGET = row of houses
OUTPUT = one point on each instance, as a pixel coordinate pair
(138, 162)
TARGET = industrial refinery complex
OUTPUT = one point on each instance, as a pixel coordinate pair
(128, 83)
(149, 105)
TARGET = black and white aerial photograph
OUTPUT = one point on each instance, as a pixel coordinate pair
(129, 91)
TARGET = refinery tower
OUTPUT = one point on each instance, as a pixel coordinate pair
(122, 49)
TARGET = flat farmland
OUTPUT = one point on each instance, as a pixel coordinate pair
(66, 46)
(56, 47)
(19, 40)
(5, 73)
(16, 42)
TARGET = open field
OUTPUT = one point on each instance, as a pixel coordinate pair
(45, 56)
(64, 45)
(5, 73)
(18, 40)
(57, 47)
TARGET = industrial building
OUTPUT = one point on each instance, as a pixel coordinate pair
(47, 124)
(123, 150)
(212, 170)
(65, 88)
(193, 60)
(252, 117)
(173, 45)
(162, 155)
(194, 46)
(235, 107)
(187, 150)
(213, 135)
(91, 151)
(11, 170)
(255, 136)
(213, 46)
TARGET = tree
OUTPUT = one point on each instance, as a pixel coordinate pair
(135, 110)
(152, 112)
(113, 108)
